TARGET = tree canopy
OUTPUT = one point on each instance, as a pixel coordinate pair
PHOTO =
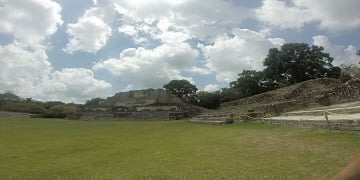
(210, 100)
(94, 102)
(251, 82)
(297, 62)
(181, 88)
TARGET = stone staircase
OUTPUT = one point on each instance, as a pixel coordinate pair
(320, 112)
(225, 118)
(339, 118)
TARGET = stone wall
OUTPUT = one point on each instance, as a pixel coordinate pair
(312, 93)
(141, 104)
(140, 98)
(304, 91)
(14, 114)
(348, 92)
(223, 118)
(158, 108)
(346, 124)
(142, 115)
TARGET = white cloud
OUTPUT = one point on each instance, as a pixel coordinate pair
(342, 54)
(151, 68)
(31, 21)
(89, 34)
(28, 73)
(211, 87)
(277, 41)
(277, 13)
(21, 69)
(199, 70)
(128, 30)
(331, 15)
(178, 21)
(128, 88)
(72, 85)
(229, 56)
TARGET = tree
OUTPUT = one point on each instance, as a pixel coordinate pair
(210, 100)
(60, 111)
(181, 88)
(229, 94)
(50, 104)
(94, 102)
(297, 62)
(251, 82)
(23, 107)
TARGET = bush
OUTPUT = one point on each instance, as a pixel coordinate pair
(210, 100)
(24, 107)
(60, 111)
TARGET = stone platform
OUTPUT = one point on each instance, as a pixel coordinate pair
(213, 119)
(338, 119)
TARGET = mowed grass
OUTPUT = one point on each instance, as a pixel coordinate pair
(65, 149)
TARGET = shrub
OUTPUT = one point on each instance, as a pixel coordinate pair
(24, 107)
(60, 111)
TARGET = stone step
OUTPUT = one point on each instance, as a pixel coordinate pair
(214, 119)
(346, 110)
(343, 124)
(336, 121)
(214, 115)
(211, 121)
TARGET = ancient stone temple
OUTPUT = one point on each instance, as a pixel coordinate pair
(147, 104)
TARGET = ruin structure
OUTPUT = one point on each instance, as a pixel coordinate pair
(147, 104)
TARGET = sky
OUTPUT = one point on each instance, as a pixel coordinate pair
(75, 50)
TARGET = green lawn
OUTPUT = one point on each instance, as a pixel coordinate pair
(64, 149)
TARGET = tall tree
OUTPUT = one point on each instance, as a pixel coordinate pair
(251, 82)
(181, 88)
(210, 100)
(229, 94)
(297, 62)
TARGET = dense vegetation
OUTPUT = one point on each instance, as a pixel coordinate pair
(182, 89)
(50, 109)
(292, 63)
(298, 62)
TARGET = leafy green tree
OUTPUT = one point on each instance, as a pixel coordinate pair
(210, 100)
(50, 104)
(60, 111)
(94, 102)
(251, 82)
(23, 107)
(229, 94)
(297, 62)
(181, 88)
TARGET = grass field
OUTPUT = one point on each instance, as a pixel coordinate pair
(64, 149)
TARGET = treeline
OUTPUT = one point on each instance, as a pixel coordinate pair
(51, 109)
(292, 63)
